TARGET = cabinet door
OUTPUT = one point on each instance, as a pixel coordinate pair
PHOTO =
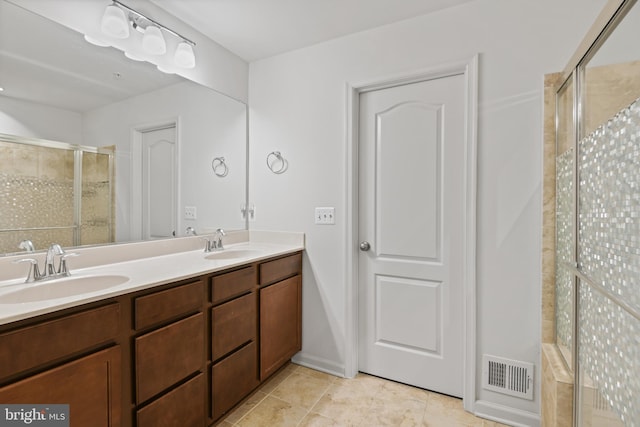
(233, 378)
(168, 355)
(233, 324)
(181, 407)
(91, 386)
(280, 324)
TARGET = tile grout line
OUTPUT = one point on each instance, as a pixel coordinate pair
(316, 402)
(237, 423)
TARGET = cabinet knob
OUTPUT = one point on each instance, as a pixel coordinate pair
(364, 246)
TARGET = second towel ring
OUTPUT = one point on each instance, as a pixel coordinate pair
(273, 159)
(219, 166)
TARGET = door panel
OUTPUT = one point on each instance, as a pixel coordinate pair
(421, 305)
(159, 183)
(411, 195)
(408, 135)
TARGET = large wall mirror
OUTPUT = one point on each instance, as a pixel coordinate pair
(97, 148)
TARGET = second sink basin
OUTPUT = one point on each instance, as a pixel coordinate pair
(61, 288)
(233, 254)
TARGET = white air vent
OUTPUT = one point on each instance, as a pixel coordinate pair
(507, 376)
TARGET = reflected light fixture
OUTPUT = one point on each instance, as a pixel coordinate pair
(184, 56)
(153, 41)
(118, 18)
(114, 23)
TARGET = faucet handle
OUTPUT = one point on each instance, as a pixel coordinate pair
(34, 271)
(219, 234)
(207, 243)
(62, 267)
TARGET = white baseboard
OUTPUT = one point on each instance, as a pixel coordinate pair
(506, 415)
(319, 364)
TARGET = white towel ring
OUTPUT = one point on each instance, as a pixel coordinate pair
(219, 167)
(275, 159)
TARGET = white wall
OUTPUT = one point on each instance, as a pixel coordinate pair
(210, 125)
(297, 106)
(31, 120)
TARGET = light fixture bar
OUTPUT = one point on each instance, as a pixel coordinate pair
(156, 23)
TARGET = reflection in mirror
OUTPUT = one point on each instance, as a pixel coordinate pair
(162, 132)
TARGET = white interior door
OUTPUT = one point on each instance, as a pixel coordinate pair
(411, 197)
(159, 183)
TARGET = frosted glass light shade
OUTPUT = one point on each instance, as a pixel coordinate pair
(184, 56)
(133, 56)
(95, 41)
(114, 23)
(153, 41)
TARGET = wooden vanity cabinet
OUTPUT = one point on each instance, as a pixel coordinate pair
(179, 355)
(234, 331)
(66, 359)
(170, 357)
(90, 386)
(280, 312)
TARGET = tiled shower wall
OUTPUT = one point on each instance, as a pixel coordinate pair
(609, 259)
(37, 197)
(609, 255)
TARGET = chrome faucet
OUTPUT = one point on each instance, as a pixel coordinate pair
(215, 244)
(218, 243)
(54, 249)
(27, 245)
(50, 271)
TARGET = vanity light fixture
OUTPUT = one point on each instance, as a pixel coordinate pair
(118, 18)
(114, 23)
(153, 41)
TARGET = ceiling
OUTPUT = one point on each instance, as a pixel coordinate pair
(256, 29)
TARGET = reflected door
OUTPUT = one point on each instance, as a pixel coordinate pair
(411, 194)
(159, 183)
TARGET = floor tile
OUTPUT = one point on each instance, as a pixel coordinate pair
(273, 412)
(301, 390)
(301, 397)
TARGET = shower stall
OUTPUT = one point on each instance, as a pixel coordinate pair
(597, 225)
(54, 192)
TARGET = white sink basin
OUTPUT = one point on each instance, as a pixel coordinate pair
(233, 254)
(61, 288)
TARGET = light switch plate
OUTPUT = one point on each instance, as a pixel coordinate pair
(325, 216)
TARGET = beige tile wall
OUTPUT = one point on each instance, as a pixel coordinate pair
(36, 190)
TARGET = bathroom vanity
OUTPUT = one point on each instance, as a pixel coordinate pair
(179, 353)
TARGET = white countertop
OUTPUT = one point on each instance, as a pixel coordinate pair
(144, 273)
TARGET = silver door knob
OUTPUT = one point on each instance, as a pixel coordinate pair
(365, 246)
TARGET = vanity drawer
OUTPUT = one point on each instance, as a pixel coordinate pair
(231, 284)
(165, 305)
(273, 271)
(182, 407)
(233, 378)
(57, 338)
(233, 324)
(167, 355)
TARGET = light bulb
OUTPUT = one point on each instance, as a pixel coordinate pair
(153, 42)
(114, 23)
(184, 56)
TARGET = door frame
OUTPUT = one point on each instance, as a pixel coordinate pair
(135, 200)
(469, 68)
